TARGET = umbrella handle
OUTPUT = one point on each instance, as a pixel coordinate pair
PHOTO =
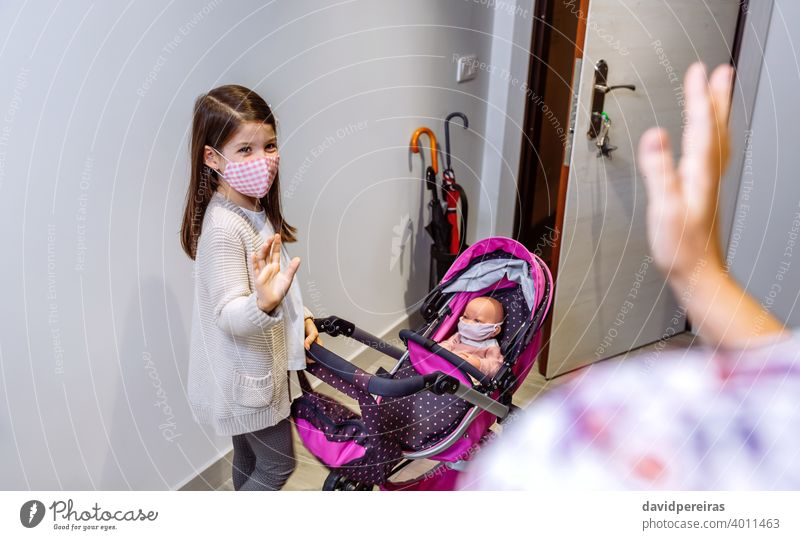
(447, 133)
(430, 181)
(432, 139)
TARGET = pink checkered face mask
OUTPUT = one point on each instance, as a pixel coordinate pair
(252, 177)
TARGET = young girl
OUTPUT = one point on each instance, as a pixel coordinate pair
(249, 325)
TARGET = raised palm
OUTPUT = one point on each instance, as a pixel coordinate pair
(682, 200)
(271, 283)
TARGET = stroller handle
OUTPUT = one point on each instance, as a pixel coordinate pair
(443, 353)
(381, 386)
(335, 326)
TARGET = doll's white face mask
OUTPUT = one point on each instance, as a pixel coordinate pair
(476, 331)
(252, 177)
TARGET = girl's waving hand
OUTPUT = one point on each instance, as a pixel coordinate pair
(271, 284)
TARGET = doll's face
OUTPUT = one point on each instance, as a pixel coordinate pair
(483, 310)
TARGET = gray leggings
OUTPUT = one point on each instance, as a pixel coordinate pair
(263, 460)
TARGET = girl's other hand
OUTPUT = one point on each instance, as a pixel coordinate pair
(312, 334)
(271, 283)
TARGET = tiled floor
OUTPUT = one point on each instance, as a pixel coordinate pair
(310, 474)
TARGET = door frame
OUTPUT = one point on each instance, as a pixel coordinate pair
(752, 38)
(527, 176)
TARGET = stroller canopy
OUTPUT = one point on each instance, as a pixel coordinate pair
(486, 273)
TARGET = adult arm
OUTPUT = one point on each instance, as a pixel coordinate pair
(683, 217)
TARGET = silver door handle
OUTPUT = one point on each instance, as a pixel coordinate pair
(600, 89)
(606, 89)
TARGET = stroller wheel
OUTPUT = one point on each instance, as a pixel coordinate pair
(334, 482)
(337, 482)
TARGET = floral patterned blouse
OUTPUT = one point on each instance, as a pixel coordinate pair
(684, 420)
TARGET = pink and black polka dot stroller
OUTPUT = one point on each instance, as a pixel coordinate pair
(432, 404)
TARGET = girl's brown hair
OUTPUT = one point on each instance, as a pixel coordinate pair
(217, 116)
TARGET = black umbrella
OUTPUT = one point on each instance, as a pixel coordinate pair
(454, 193)
(439, 228)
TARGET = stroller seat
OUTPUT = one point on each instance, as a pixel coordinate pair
(425, 418)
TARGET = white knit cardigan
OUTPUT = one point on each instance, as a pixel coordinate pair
(237, 379)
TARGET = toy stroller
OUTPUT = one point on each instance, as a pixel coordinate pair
(433, 404)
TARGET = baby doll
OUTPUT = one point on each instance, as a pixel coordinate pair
(474, 341)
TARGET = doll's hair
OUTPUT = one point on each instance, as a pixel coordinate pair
(217, 116)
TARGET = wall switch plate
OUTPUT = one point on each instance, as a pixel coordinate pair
(467, 68)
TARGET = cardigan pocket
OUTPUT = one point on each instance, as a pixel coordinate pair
(252, 391)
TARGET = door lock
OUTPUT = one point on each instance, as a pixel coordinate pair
(600, 89)
(604, 147)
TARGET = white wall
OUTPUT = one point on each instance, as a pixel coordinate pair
(93, 170)
(507, 71)
(764, 238)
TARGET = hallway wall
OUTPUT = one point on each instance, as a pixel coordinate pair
(93, 168)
